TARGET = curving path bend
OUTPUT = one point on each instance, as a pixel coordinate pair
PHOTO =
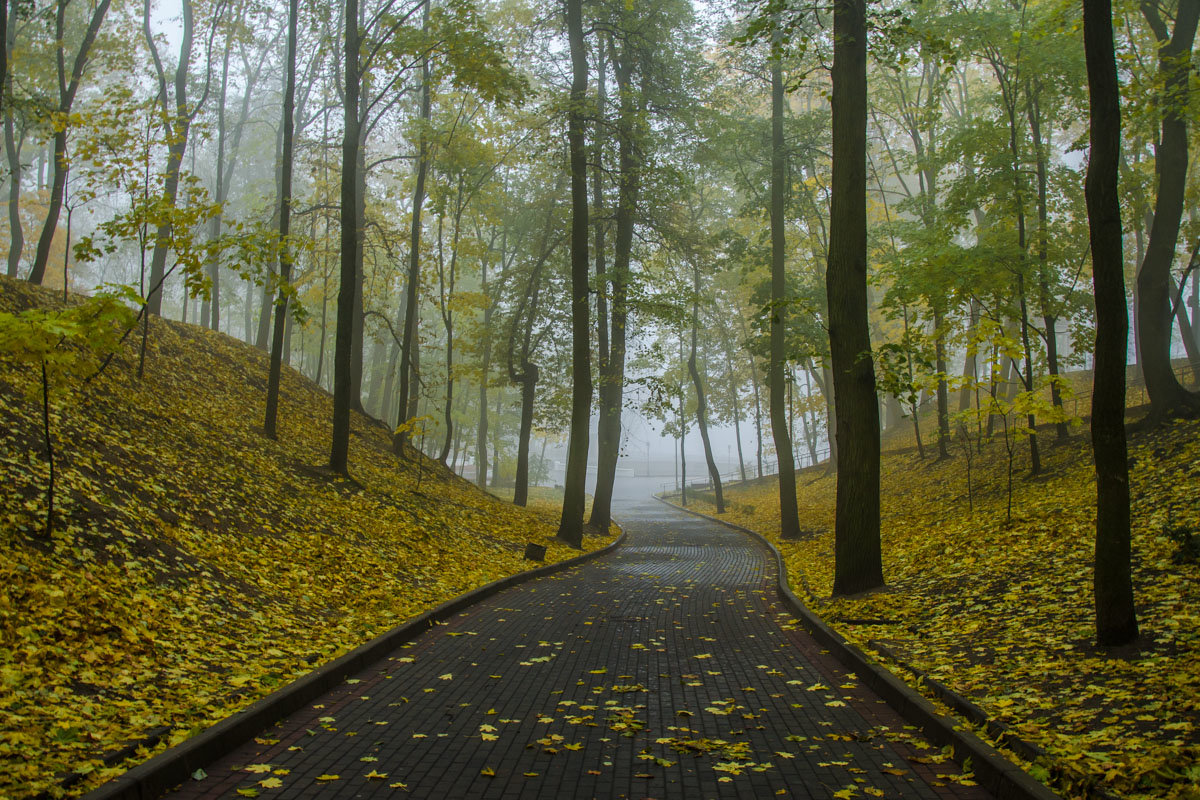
(665, 670)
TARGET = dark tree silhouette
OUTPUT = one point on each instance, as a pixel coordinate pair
(1116, 620)
(858, 561)
(570, 527)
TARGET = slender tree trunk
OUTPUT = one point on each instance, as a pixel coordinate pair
(344, 342)
(210, 308)
(179, 124)
(943, 392)
(970, 360)
(1035, 459)
(12, 146)
(789, 515)
(66, 99)
(1116, 619)
(481, 431)
(360, 213)
(529, 379)
(448, 315)
(570, 528)
(612, 384)
(16, 234)
(858, 563)
(285, 216)
(412, 290)
(701, 406)
(735, 404)
(1167, 396)
(758, 448)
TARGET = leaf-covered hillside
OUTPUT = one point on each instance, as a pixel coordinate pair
(1001, 610)
(196, 565)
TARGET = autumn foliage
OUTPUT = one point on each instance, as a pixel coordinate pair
(1001, 611)
(195, 565)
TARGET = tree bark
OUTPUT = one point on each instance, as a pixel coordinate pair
(789, 515)
(570, 527)
(285, 216)
(344, 342)
(179, 125)
(1116, 618)
(701, 406)
(858, 562)
(1167, 396)
(529, 379)
(16, 240)
(612, 373)
(412, 290)
(66, 99)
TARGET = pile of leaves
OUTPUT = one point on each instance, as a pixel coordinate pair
(195, 565)
(1001, 610)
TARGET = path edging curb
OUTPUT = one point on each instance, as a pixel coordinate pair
(996, 773)
(175, 765)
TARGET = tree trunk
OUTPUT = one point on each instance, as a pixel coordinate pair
(529, 379)
(970, 360)
(210, 307)
(285, 216)
(858, 562)
(66, 99)
(180, 125)
(733, 401)
(16, 234)
(632, 108)
(701, 406)
(1167, 396)
(360, 214)
(570, 528)
(1116, 619)
(757, 400)
(943, 393)
(66, 95)
(789, 515)
(412, 289)
(344, 342)
(481, 431)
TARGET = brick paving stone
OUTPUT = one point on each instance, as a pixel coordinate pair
(665, 670)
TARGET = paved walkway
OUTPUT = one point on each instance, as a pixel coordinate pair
(665, 670)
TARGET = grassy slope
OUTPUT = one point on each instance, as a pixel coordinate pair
(1001, 610)
(196, 564)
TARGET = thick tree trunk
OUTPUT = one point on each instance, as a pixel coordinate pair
(570, 528)
(858, 563)
(1167, 396)
(1116, 619)
(789, 515)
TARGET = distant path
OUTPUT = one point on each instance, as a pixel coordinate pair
(566, 687)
